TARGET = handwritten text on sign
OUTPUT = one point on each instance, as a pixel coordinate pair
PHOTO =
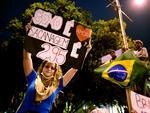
(55, 33)
(140, 103)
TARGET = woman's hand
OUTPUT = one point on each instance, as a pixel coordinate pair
(28, 26)
(69, 75)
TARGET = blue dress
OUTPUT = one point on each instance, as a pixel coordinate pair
(28, 101)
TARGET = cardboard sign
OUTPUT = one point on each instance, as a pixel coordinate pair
(59, 40)
(140, 103)
(100, 110)
(108, 56)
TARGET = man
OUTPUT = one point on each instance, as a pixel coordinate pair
(140, 51)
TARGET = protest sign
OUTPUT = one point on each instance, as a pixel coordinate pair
(59, 40)
(100, 110)
(108, 56)
(140, 103)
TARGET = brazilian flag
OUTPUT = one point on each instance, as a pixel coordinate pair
(126, 70)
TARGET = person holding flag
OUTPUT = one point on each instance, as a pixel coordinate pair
(140, 51)
(142, 54)
(126, 70)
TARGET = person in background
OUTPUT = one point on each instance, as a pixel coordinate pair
(140, 51)
(113, 55)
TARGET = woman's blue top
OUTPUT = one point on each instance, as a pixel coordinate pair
(28, 103)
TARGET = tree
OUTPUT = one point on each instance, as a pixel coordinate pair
(106, 35)
(89, 88)
(65, 8)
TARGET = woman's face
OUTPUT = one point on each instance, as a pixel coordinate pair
(49, 69)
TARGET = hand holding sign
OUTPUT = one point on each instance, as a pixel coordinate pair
(28, 26)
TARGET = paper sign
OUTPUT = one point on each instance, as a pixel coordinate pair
(140, 103)
(59, 40)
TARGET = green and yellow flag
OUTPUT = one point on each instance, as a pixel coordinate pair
(125, 71)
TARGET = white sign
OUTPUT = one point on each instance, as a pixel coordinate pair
(108, 57)
(58, 40)
(140, 103)
(100, 110)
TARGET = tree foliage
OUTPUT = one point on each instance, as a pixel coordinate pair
(106, 35)
(90, 87)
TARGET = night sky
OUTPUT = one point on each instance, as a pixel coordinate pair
(138, 29)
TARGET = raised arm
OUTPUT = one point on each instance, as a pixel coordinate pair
(69, 75)
(27, 62)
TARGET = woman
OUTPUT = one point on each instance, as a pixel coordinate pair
(43, 85)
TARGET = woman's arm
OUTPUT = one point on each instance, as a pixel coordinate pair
(27, 62)
(69, 75)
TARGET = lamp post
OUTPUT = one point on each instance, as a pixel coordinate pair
(121, 24)
(125, 46)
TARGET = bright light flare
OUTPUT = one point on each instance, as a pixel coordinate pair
(139, 5)
(139, 2)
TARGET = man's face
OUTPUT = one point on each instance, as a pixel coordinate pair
(138, 45)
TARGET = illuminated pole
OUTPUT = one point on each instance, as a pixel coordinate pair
(125, 46)
(121, 24)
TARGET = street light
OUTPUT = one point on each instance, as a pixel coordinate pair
(139, 2)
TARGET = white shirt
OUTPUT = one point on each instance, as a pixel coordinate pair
(142, 53)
